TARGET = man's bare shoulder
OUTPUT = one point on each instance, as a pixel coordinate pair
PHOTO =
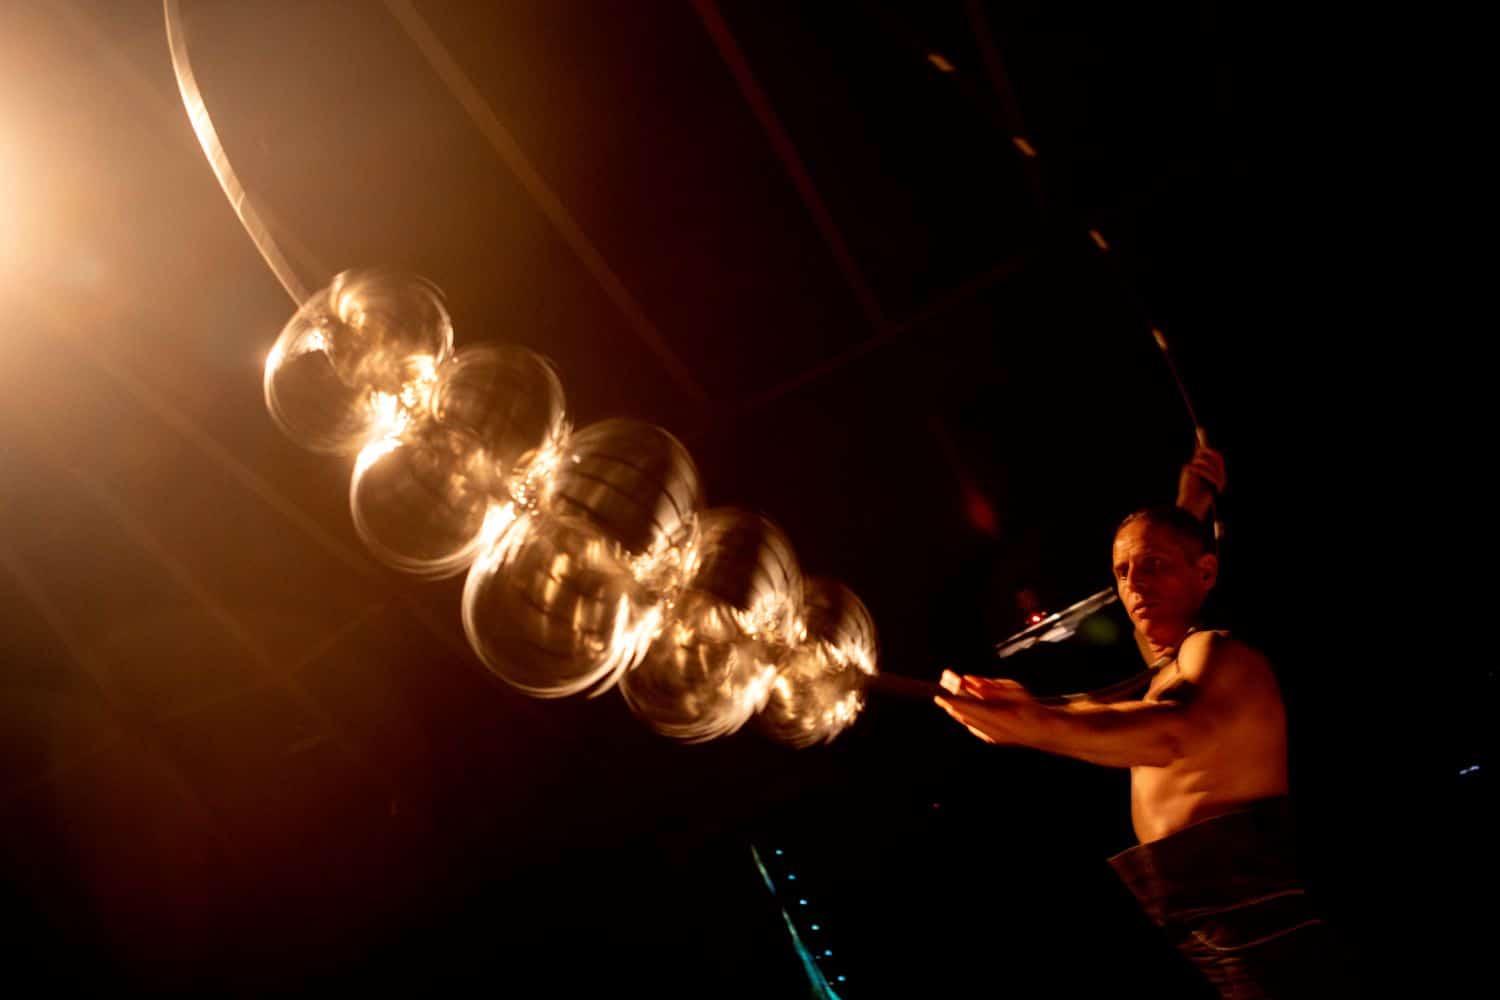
(1227, 686)
(1214, 656)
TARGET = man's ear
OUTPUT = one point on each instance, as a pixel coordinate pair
(1208, 569)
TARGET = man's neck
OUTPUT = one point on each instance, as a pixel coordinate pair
(1162, 646)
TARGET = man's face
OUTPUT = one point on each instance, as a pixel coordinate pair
(1161, 580)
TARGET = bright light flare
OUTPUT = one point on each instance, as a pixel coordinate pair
(31, 215)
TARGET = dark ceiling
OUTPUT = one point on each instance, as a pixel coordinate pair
(802, 237)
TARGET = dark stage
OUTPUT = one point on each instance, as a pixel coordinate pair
(889, 271)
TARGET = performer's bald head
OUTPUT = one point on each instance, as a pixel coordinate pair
(1192, 534)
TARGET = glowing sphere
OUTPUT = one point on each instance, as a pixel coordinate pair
(355, 354)
(820, 688)
(710, 669)
(421, 500)
(428, 495)
(506, 396)
(638, 486)
(745, 561)
(551, 608)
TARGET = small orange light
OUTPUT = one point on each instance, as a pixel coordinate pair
(1025, 147)
(941, 63)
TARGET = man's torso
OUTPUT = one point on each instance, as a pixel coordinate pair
(1244, 761)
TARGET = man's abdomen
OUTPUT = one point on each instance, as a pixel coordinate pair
(1164, 800)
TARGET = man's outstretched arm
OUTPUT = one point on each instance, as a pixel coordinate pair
(1125, 734)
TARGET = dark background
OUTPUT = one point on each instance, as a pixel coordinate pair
(239, 756)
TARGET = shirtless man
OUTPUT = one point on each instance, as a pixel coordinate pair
(1206, 749)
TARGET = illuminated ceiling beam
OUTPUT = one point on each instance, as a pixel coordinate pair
(1010, 110)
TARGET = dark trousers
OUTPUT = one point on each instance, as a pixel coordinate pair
(1227, 894)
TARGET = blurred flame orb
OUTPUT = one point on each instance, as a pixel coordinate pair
(570, 596)
(421, 496)
(355, 357)
(819, 690)
(746, 562)
(590, 560)
(711, 668)
(551, 608)
(508, 397)
(420, 499)
(381, 328)
(638, 486)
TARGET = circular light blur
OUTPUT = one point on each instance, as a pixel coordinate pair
(383, 327)
(746, 561)
(702, 678)
(509, 398)
(711, 667)
(638, 486)
(420, 500)
(551, 609)
(820, 689)
(355, 356)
